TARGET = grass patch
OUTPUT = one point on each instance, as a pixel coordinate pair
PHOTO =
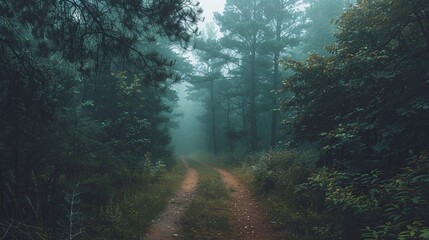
(130, 216)
(223, 160)
(208, 215)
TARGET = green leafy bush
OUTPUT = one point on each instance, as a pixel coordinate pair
(278, 170)
(381, 208)
(274, 175)
(325, 203)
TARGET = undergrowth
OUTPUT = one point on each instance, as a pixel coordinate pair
(141, 201)
(273, 176)
(306, 202)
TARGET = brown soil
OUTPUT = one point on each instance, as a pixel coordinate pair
(168, 225)
(249, 222)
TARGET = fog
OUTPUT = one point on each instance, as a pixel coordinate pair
(324, 105)
(189, 136)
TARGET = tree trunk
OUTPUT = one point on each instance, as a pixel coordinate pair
(274, 113)
(228, 123)
(244, 120)
(252, 96)
(213, 115)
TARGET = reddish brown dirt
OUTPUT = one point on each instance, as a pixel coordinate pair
(248, 220)
(168, 225)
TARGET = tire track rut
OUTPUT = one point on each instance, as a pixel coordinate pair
(248, 220)
(168, 224)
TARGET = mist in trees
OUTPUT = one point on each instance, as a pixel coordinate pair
(189, 134)
(348, 80)
(98, 97)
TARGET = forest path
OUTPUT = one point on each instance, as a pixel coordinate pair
(248, 220)
(168, 225)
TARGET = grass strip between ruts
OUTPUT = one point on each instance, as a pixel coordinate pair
(208, 214)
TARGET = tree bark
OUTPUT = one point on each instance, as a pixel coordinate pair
(228, 122)
(274, 113)
(252, 96)
(213, 115)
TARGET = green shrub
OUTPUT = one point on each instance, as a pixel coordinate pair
(280, 171)
(134, 203)
(274, 175)
(374, 207)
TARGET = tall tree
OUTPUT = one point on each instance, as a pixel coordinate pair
(367, 104)
(286, 26)
(244, 27)
(209, 69)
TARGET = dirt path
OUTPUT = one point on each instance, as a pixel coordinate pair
(248, 219)
(168, 225)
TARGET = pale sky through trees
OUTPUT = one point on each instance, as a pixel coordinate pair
(186, 133)
(211, 6)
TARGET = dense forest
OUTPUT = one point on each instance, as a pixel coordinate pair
(322, 106)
